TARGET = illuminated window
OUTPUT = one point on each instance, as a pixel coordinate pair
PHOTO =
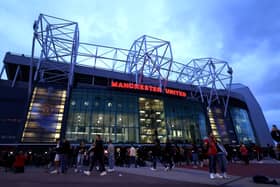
(44, 118)
(113, 116)
(242, 125)
(151, 122)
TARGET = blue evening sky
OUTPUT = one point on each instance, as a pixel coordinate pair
(244, 33)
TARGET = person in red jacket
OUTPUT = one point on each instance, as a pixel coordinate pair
(211, 145)
(19, 162)
(244, 153)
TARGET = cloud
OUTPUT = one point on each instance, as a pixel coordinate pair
(272, 117)
(244, 33)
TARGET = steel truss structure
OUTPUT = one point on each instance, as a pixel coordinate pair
(208, 73)
(149, 61)
(58, 40)
(150, 57)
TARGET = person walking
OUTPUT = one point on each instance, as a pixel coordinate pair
(81, 149)
(132, 156)
(99, 154)
(111, 156)
(275, 134)
(65, 151)
(57, 158)
(244, 153)
(222, 159)
(211, 144)
(168, 155)
(90, 153)
(155, 153)
(19, 162)
(194, 155)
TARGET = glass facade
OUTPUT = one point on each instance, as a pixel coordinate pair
(127, 117)
(45, 114)
(242, 125)
(111, 114)
(185, 120)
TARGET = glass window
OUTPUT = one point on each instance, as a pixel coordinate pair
(132, 118)
(111, 114)
(152, 121)
(45, 114)
(242, 125)
(185, 121)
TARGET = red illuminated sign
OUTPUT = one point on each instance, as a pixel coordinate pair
(149, 88)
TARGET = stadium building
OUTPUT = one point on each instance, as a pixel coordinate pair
(75, 90)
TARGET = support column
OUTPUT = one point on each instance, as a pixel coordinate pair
(16, 75)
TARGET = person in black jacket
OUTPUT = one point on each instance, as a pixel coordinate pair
(168, 155)
(57, 158)
(156, 151)
(99, 155)
(65, 151)
(275, 133)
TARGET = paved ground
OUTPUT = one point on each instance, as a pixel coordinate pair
(195, 176)
(269, 168)
(240, 175)
(34, 177)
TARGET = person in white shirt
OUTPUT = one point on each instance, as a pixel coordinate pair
(132, 156)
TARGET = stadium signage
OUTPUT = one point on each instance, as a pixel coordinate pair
(149, 88)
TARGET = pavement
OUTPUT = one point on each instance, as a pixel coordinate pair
(198, 176)
(267, 167)
(240, 176)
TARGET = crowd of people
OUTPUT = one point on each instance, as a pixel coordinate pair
(84, 159)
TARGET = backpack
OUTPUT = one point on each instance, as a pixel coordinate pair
(260, 179)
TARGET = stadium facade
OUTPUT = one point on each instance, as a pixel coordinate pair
(74, 90)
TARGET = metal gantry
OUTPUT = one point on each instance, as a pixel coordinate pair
(209, 73)
(150, 57)
(149, 61)
(104, 57)
(58, 41)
